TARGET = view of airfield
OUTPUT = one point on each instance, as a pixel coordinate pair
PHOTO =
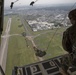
(33, 34)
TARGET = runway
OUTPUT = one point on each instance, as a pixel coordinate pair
(4, 45)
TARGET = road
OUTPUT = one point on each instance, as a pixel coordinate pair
(25, 27)
(11, 35)
(4, 45)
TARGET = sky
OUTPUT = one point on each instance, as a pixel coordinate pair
(42, 2)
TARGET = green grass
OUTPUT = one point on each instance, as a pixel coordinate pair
(14, 26)
(55, 46)
(18, 52)
(55, 43)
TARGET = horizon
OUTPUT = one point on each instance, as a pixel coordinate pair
(41, 2)
(43, 5)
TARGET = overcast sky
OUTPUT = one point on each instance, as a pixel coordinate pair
(27, 2)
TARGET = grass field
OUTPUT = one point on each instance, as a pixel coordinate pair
(42, 41)
(18, 52)
(55, 45)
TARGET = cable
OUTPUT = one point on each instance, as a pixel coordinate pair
(58, 29)
(36, 1)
